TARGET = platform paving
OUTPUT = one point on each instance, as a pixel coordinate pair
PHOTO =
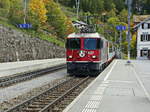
(12, 68)
(119, 88)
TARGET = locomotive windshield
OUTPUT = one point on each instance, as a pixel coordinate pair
(91, 44)
(73, 43)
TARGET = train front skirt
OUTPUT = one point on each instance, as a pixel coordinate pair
(83, 68)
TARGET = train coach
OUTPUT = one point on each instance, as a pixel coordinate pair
(88, 53)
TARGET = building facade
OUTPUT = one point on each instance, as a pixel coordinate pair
(143, 39)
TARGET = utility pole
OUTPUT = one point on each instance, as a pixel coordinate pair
(25, 10)
(129, 3)
(78, 7)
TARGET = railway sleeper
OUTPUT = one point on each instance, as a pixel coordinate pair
(69, 99)
(39, 103)
(56, 111)
(56, 94)
(51, 99)
(31, 110)
(70, 96)
(60, 107)
(64, 104)
(36, 106)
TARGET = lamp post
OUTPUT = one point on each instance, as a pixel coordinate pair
(129, 3)
(120, 41)
(78, 7)
(25, 10)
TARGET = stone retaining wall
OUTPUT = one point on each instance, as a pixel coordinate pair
(16, 46)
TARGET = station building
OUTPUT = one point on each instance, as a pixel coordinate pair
(142, 26)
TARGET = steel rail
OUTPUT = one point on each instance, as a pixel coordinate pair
(52, 104)
(18, 107)
(7, 81)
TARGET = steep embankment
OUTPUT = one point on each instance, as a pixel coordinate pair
(15, 46)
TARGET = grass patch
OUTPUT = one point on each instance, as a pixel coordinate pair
(52, 39)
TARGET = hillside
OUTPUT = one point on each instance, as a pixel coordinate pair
(48, 20)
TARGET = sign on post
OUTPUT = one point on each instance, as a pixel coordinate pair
(120, 28)
(25, 26)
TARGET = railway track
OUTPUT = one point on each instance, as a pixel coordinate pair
(54, 99)
(9, 80)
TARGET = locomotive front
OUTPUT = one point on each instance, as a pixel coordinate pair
(83, 54)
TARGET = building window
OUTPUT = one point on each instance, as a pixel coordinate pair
(142, 26)
(142, 37)
(145, 37)
(144, 53)
(148, 37)
(146, 26)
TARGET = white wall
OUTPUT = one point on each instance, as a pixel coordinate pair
(142, 44)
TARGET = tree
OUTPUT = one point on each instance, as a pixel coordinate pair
(112, 12)
(58, 20)
(16, 11)
(147, 6)
(4, 7)
(120, 4)
(108, 5)
(93, 7)
(133, 46)
(123, 15)
(38, 12)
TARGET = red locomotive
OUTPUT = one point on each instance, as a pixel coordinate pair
(87, 53)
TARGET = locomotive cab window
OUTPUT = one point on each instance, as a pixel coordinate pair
(73, 44)
(99, 44)
(92, 43)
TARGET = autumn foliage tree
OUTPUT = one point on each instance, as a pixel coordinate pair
(47, 15)
(37, 13)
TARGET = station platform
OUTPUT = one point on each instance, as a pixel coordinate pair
(11, 68)
(121, 87)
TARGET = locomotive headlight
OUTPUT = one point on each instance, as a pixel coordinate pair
(94, 57)
(69, 56)
(82, 54)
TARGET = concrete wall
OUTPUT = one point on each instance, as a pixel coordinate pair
(15, 46)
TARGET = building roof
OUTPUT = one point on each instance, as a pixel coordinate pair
(140, 20)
